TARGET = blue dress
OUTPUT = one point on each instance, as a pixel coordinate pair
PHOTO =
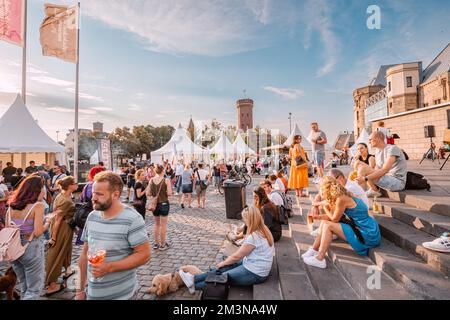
(367, 225)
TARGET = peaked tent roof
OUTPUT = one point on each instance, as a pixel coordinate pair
(305, 142)
(21, 133)
(240, 147)
(223, 145)
(181, 145)
(439, 65)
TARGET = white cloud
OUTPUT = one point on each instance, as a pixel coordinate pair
(286, 93)
(105, 109)
(318, 18)
(101, 87)
(85, 95)
(139, 96)
(52, 81)
(202, 27)
(67, 110)
(134, 107)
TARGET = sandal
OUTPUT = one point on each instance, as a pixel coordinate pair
(67, 276)
(61, 288)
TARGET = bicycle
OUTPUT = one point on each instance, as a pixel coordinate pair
(235, 176)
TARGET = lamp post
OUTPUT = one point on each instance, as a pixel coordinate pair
(57, 136)
(290, 125)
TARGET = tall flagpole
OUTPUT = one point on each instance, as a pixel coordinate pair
(24, 53)
(75, 152)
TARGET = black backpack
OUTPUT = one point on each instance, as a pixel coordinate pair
(81, 214)
(217, 286)
(416, 181)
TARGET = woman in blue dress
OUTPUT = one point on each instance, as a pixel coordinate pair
(363, 235)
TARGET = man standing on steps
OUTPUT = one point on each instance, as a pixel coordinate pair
(390, 170)
(318, 141)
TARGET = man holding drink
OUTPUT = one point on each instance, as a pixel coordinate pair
(115, 244)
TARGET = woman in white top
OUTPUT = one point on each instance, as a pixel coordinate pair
(249, 265)
(201, 179)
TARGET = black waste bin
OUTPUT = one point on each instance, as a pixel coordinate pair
(234, 198)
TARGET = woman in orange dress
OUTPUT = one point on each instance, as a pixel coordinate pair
(298, 178)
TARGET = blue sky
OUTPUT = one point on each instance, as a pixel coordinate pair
(158, 62)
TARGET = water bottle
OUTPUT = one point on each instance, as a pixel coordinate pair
(375, 205)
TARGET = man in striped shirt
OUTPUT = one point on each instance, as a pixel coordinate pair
(121, 232)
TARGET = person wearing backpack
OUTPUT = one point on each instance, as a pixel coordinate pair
(26, 211)
(59, 252)
(201, 178)
(278, 198)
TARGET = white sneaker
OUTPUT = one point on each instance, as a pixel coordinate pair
(441, 244)
(188, 280)
(309, 253)
(313, 261)
(371, 193)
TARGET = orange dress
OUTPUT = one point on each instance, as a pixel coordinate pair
(298, 177)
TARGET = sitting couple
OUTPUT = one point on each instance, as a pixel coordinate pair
(251, 264)
(344, 214)
(387, 170)
(270, 212)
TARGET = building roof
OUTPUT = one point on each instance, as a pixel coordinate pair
(439, 65)
(380, 78)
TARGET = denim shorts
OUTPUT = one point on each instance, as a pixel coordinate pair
(162, 209)
(390, 183)
(187, 188)
(318, 158)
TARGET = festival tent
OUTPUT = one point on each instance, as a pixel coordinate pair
(363, 138)
(297, 132)
(179, 146)
(240, 148)
(22, 139)
(224, 149)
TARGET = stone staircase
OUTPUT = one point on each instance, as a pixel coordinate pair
(407, 270)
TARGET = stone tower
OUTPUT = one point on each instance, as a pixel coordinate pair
(245, 114)
(191, 129)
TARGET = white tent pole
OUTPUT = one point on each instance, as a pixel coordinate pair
(75, 153)
(24, 52)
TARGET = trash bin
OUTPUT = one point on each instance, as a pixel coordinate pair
(234, 198)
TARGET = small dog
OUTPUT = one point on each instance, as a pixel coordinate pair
(8, 284)
(163, 284)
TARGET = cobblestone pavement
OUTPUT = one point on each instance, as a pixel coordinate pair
(196, 237)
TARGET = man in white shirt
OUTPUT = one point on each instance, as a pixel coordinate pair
(178, 174)
(273, 196)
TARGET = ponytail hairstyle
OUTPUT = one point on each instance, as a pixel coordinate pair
(64, 183)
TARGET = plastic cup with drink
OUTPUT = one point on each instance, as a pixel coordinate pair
(96, 257)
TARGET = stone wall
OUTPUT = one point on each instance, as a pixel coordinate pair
(436, 89)
(410, 128)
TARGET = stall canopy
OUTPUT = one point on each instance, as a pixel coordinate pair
(180, 146)
(305, 142)
(223, 147)
(241, 148)
(363, 138)
(21, 134)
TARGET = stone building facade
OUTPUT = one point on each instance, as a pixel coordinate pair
(245, 114)
(407, 98)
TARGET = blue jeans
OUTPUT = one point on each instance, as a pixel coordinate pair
(178, 183)
(238, 275)
(30, 270)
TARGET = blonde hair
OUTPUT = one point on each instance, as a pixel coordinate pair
(255, 223)
(331, 190)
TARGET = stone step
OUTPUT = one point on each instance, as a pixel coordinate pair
(354, 269)
(422, 199)
(240, 293)
(294, 281)
(270, 289)
(411, 239)
(422, 220)
(418, 278)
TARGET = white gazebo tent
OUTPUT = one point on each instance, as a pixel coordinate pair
(223, 149)
(180, 146)
(363, 138)
(297, 132)
(241, 149)
(23, 140)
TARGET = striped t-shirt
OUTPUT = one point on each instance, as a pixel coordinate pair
(118, 236)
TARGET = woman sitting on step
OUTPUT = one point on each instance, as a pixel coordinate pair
(251, 264)
(350, 221)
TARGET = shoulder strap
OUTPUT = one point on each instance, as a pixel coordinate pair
(8, 215)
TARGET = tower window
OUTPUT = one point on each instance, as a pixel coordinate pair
(389, 86)
(409, 82)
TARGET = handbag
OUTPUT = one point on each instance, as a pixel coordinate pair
(152, 202)
(348, 220)
(299, 161)
(82, 211)
(216, 286)
(203, 185)
(11, 247)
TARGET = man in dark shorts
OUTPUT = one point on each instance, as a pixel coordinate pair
(131, 180)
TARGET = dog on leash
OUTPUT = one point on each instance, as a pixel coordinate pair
(8, 284)
(163, 284)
